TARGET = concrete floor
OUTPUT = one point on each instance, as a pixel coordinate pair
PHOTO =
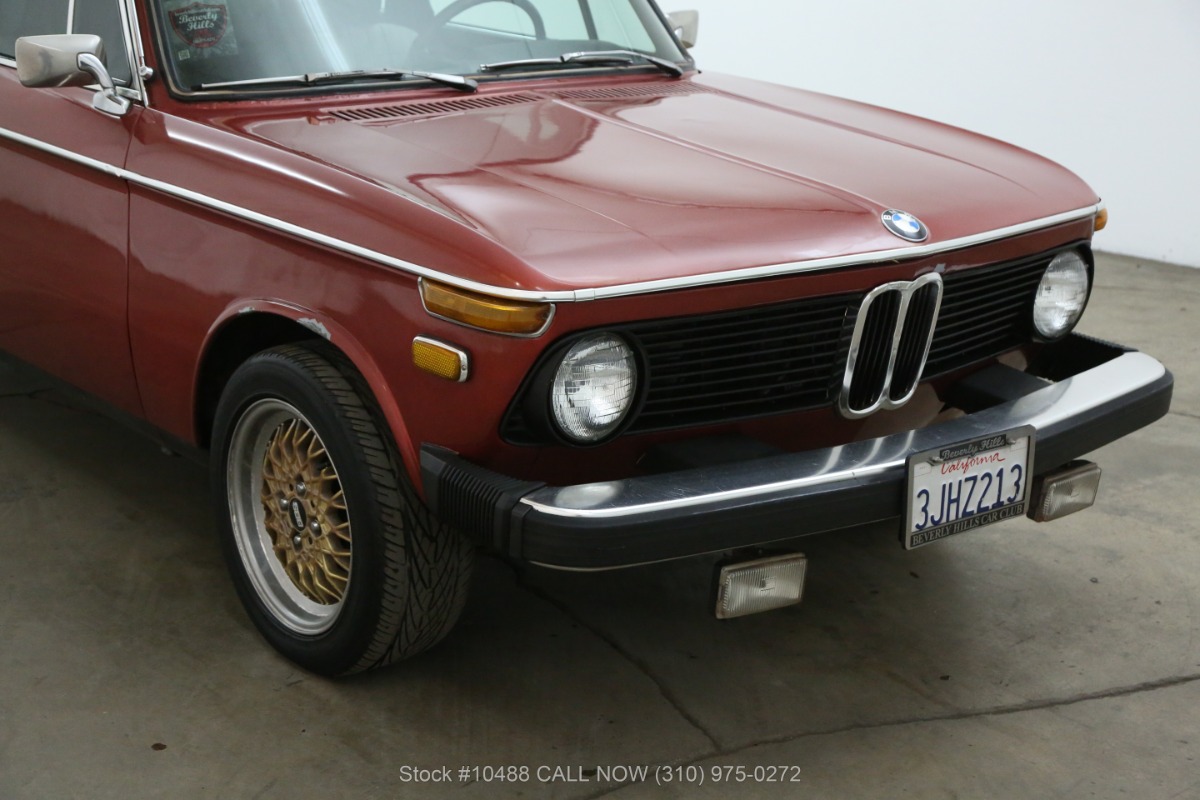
(1019, 661)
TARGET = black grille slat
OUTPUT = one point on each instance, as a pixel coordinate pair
(968, 341)
(782, 353)
(975, 318)
(949, 334)
(788, 396)
(755, 325)
(733, 338)
(913, 341)
(736, 384)
(874, 350)
(973, 291)
(803, 385)
(985, 312)
(993, 279)
(967, 301)
(772, 343)
(965, 297)
(739, 364)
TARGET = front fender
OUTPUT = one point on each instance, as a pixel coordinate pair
(245, 327)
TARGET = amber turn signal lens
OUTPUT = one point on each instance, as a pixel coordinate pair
(438, 358)
(482, 311)
(1101, 219)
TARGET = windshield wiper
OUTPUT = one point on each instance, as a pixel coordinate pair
(317, 78)
(589, 57)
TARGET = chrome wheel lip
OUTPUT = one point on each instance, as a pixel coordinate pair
(244, 475)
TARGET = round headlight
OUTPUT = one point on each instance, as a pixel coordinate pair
(594, 387)
(1062, 295)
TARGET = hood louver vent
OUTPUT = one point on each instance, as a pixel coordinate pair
(640, 91)
(429, 108)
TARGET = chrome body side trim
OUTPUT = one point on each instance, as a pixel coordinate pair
(847, 463)
(565, 295)
(66, 155)
(297, 231)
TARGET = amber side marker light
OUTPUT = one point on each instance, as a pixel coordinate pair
(495, 314)
(441, 359)
(1101, 219)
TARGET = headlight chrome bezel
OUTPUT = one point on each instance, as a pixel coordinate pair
(1068, 265)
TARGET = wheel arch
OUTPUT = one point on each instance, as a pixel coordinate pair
(250, 327)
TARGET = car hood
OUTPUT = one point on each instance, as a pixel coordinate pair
(596, 184)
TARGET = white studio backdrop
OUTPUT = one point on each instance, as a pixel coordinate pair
(1108, 88)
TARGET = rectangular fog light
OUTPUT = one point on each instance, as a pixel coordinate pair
(1064, 491)
(761, 585)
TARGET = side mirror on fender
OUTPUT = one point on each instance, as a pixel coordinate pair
(686, 25)
(72, 59)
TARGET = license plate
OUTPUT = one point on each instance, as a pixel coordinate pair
(968, 485)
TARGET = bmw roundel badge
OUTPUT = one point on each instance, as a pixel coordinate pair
(905, 225)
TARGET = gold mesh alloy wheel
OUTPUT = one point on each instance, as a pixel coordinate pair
(305, 512)
(290, 518)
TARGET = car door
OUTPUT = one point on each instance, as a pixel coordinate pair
(64, 209)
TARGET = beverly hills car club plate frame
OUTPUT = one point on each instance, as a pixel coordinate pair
(962, 487)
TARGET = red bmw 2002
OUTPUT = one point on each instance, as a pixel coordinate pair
(428, 276)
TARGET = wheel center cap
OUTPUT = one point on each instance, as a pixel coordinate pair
(297, 515)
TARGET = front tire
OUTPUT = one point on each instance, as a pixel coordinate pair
(336, 559)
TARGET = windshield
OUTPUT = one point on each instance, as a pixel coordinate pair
(226, 41)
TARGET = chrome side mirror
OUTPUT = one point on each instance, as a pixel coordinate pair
(72, 59)
(686, 25)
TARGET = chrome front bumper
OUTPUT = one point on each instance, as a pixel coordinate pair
(690, 512)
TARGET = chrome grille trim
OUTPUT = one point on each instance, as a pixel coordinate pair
(887, 346)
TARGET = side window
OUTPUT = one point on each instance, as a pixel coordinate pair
(103, 18)
(29, 18)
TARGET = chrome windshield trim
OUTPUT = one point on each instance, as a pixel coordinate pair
(565, 295)
(133, 46)
(848, 463)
